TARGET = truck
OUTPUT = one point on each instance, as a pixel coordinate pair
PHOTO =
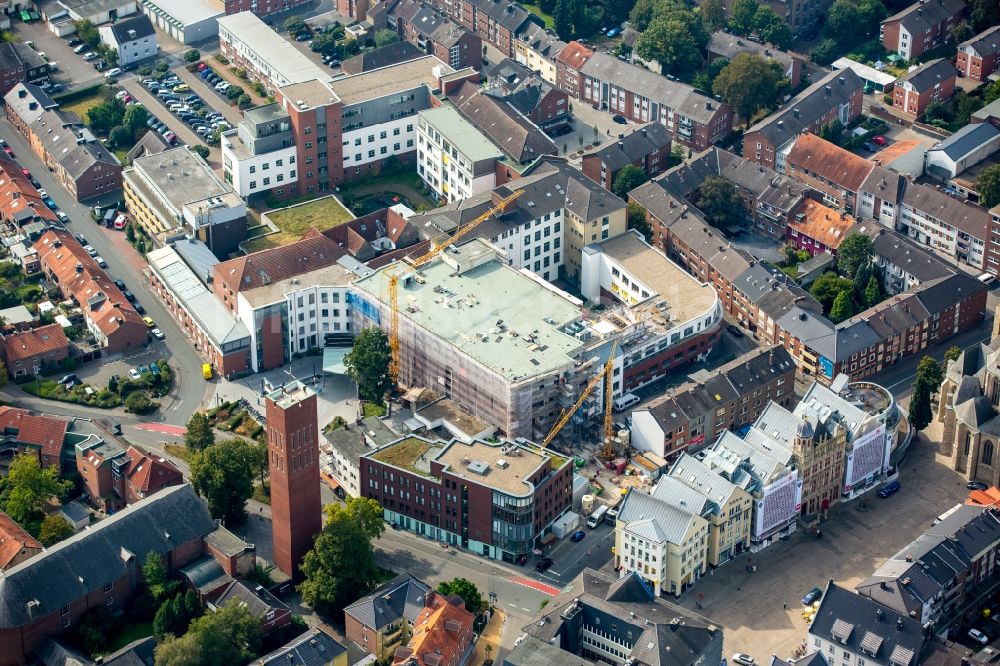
(566, 524)
(598, 516)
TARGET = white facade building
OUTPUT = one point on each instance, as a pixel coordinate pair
(133, 39)
(247, 172)
(453, 158)
(377, 142)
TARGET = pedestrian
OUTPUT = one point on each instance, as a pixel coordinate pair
(784, 605)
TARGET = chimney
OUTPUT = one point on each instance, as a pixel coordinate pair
(842, 80)
(899, 624)
(131, 34)
(621, 145)
(795, 112)
(878, 611)
(32, 105)
(644, 132)
(828, 90)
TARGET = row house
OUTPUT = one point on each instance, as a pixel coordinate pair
(933, 81)
(28, 432)
(20, 202)
(819, 229)
(836, 96)
(695, 414)
(31, 352)
(921, 27)
(569, 61)
(71, 152)
(646, 147)
(904, 264)
(532, 96)
(497, 22)
(607, 83)
(537, 48)
(436, 34)
(114, 476)
(835, 173)
(977, 56)
(20, 63)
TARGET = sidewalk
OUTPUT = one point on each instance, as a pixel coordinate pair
(491, 637)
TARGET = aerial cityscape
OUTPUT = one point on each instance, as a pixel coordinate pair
(500, 332)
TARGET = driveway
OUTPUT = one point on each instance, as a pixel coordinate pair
(181, 129)
(73, 72)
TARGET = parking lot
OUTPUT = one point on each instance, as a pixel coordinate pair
(854, 543)
(73, 72)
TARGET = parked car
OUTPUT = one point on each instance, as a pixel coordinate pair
(978, 636)
(743, 659)
(734, 331)
(811, 596)
(138, 307)
(182, 87)
(63, 217)
(544, 564)
(113, 72)
(578, 536)
(80, 49)
(90, 250)
(120, 283)
(879, 140)
(71, 377)
(76, 41)
(619, 119)
(153, 367)
(149, 322)
(42, 193)
(134, 373)
(888, 489)
(976, 485)
(158, 334)
(48, 201)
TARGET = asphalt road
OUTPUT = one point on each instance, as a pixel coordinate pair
(125, 264)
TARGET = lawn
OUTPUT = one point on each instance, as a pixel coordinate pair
(405, 454)
(129, 633)
(178, 451)
(295, 221)
(84, 104)
(550, 22)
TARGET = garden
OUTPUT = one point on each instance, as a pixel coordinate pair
(137, 395)
(295, 220)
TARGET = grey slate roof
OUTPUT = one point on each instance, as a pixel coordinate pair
(136, 653)
(671, 523)
(350, 439)
(729, 46)
(702, 478)
(930, 74)
(256, 599)
(832, 90)
(313, 648)
(966, 140)
(403, 596)
(508, 14)
(508, 129)
(384, 56)
(32, 95)
(921, 16)
(679, 495)
(96, 556)
(141, 24)
(913, 258)
(507, 74)
(533, 652)
(985, 43)
(858, 618)
(631, 147)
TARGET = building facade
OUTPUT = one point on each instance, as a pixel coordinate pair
(647, 148)
(454, 160)
(920, 27)
(133, 39)
(934, 81)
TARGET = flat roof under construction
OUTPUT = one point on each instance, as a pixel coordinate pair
(500, 317)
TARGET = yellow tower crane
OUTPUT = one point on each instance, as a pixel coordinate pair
(420, 261)
(606, 371)
(609, 377)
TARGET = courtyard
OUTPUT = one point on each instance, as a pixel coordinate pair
(295, 220)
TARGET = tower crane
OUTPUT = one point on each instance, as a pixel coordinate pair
(606, 372)
(420, 261)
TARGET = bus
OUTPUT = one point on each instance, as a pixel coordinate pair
(596, 517)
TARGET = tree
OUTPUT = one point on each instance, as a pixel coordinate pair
(119, 137)
(474, 602)
(234, 92)
(636, 216)
(720, 202)
(192, 55)
(929, 371)
(831, 131)
(244, 101)
(988, 185)
(824, 52)
(28, 486)
(920, 406)
(952, 353)
(106, 115)
(751, 83)
(562, 15)
(713, 14)
(961, 31)
(855, 251)
(4, 377)
(385, 37)
(870, 15)
(742, 16)
(201, 151)
(326, 43)
(368, 363)
(175, 614)
(156, 577)
(295, 25)
(827, 286)
(628, 178)
(872, 293)
(842, 308)
(87, 31)
(984, 14)
(138, 402)
(230, 635)
(223, 475)
(199, 435)
(135, 119)
(772, 28)
(341, 565)
(54, 529)
(842, 19)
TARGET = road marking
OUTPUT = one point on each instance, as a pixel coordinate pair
(164, 428)
(535, 585)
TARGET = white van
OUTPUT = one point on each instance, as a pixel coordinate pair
(987, 278)
(625, 401)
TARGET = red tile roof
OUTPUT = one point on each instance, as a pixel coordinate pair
(441, 632)
(45, 431)
(824, 224)
(43, 340)
(147, 474)
(574, 55)
(13, 539)
(830, 162)
(17, 194)
(265, 267)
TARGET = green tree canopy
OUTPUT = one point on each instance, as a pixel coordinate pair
(827, 286)
(669, 43)
(341, 566)
(156, 578)
(294, 25)
(368, 363)
(824, 52)
(119, 137)
(385, 37)
(474, 602)
(988, 186)
(636, 216)
(201, 151)
(843, 307)
(106, 115)
(192, 55)
(953, 353)
(742, 16)
(772, 28)
(28, 486)
(832, 131)
(855, 251)
(929, 371)
(984, 14)
(135, 119)
(223, 475)
(872, 293)
(87, 31)
(230, 635)
(199, 435)
(713, 14)
(54, 529)
(628, 178)
(720, 202)
(920, 406)
(751, 83)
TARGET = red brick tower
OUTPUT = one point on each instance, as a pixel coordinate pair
(293, 462)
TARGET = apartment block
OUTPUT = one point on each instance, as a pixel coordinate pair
(431, 488)
(920, 27)
(836, 96)
(536, 48)
(115, 476)
(454, 160)
(819, 229)
(977, 56)
(731, 397)
(836, 173)
(646, 147)
(20, 63)
(933, 81)
(435, 34)
(176, 192)
(535, 98)
(133, 39)
(381, 620)
(35, 350)
(262, 7)
(496, 21)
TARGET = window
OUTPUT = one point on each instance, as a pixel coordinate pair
(988, 453)
(253, 169)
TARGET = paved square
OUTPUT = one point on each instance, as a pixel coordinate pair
(854, 543)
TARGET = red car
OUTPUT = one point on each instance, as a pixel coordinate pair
(879, 140)
(7, 150)
(201, 66)
(27, 174)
